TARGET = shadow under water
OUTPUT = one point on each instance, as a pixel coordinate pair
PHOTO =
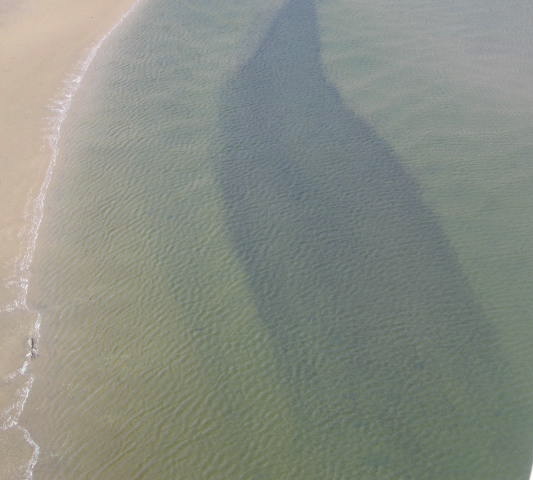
(394, 370)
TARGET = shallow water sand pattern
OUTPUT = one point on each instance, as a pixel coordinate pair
(238, 278)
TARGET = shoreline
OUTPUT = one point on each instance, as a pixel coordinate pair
(40, 79)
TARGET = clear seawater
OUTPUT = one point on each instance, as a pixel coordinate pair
(293, 240)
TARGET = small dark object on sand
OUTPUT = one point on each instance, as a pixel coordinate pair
(33, 346)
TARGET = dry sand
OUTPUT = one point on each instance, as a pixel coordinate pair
(41, 43)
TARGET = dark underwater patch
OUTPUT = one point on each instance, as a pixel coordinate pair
(394, 369)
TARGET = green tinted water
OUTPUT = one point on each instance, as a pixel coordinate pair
(288, 241)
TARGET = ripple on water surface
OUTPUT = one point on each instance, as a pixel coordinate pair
(239, 278)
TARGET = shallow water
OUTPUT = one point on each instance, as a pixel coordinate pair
(253, 266)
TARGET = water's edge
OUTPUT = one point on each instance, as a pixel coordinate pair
(10, 418)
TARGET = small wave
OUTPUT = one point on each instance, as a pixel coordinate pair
(34, 213)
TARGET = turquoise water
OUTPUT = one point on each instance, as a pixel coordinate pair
(262, 258)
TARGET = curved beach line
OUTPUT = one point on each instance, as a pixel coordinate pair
(34, 215)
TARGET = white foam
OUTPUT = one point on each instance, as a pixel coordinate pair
(9, 419)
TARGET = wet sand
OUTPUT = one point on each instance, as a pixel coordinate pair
(42, 43)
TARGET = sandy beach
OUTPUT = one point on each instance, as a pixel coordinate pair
(42, 43)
